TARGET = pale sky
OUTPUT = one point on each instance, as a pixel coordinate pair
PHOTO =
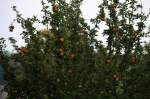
(33, 7)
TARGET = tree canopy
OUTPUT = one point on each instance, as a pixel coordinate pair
(64, 60)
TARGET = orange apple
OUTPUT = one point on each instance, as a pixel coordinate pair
(62, 39)
(55, 8)
(109, 61)
(72, 56)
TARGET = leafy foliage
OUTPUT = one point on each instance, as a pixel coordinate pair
(65, 60)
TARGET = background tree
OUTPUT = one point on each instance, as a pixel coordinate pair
(125, 30)
(55, 61)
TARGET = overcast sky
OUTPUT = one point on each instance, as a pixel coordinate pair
(33, 7)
